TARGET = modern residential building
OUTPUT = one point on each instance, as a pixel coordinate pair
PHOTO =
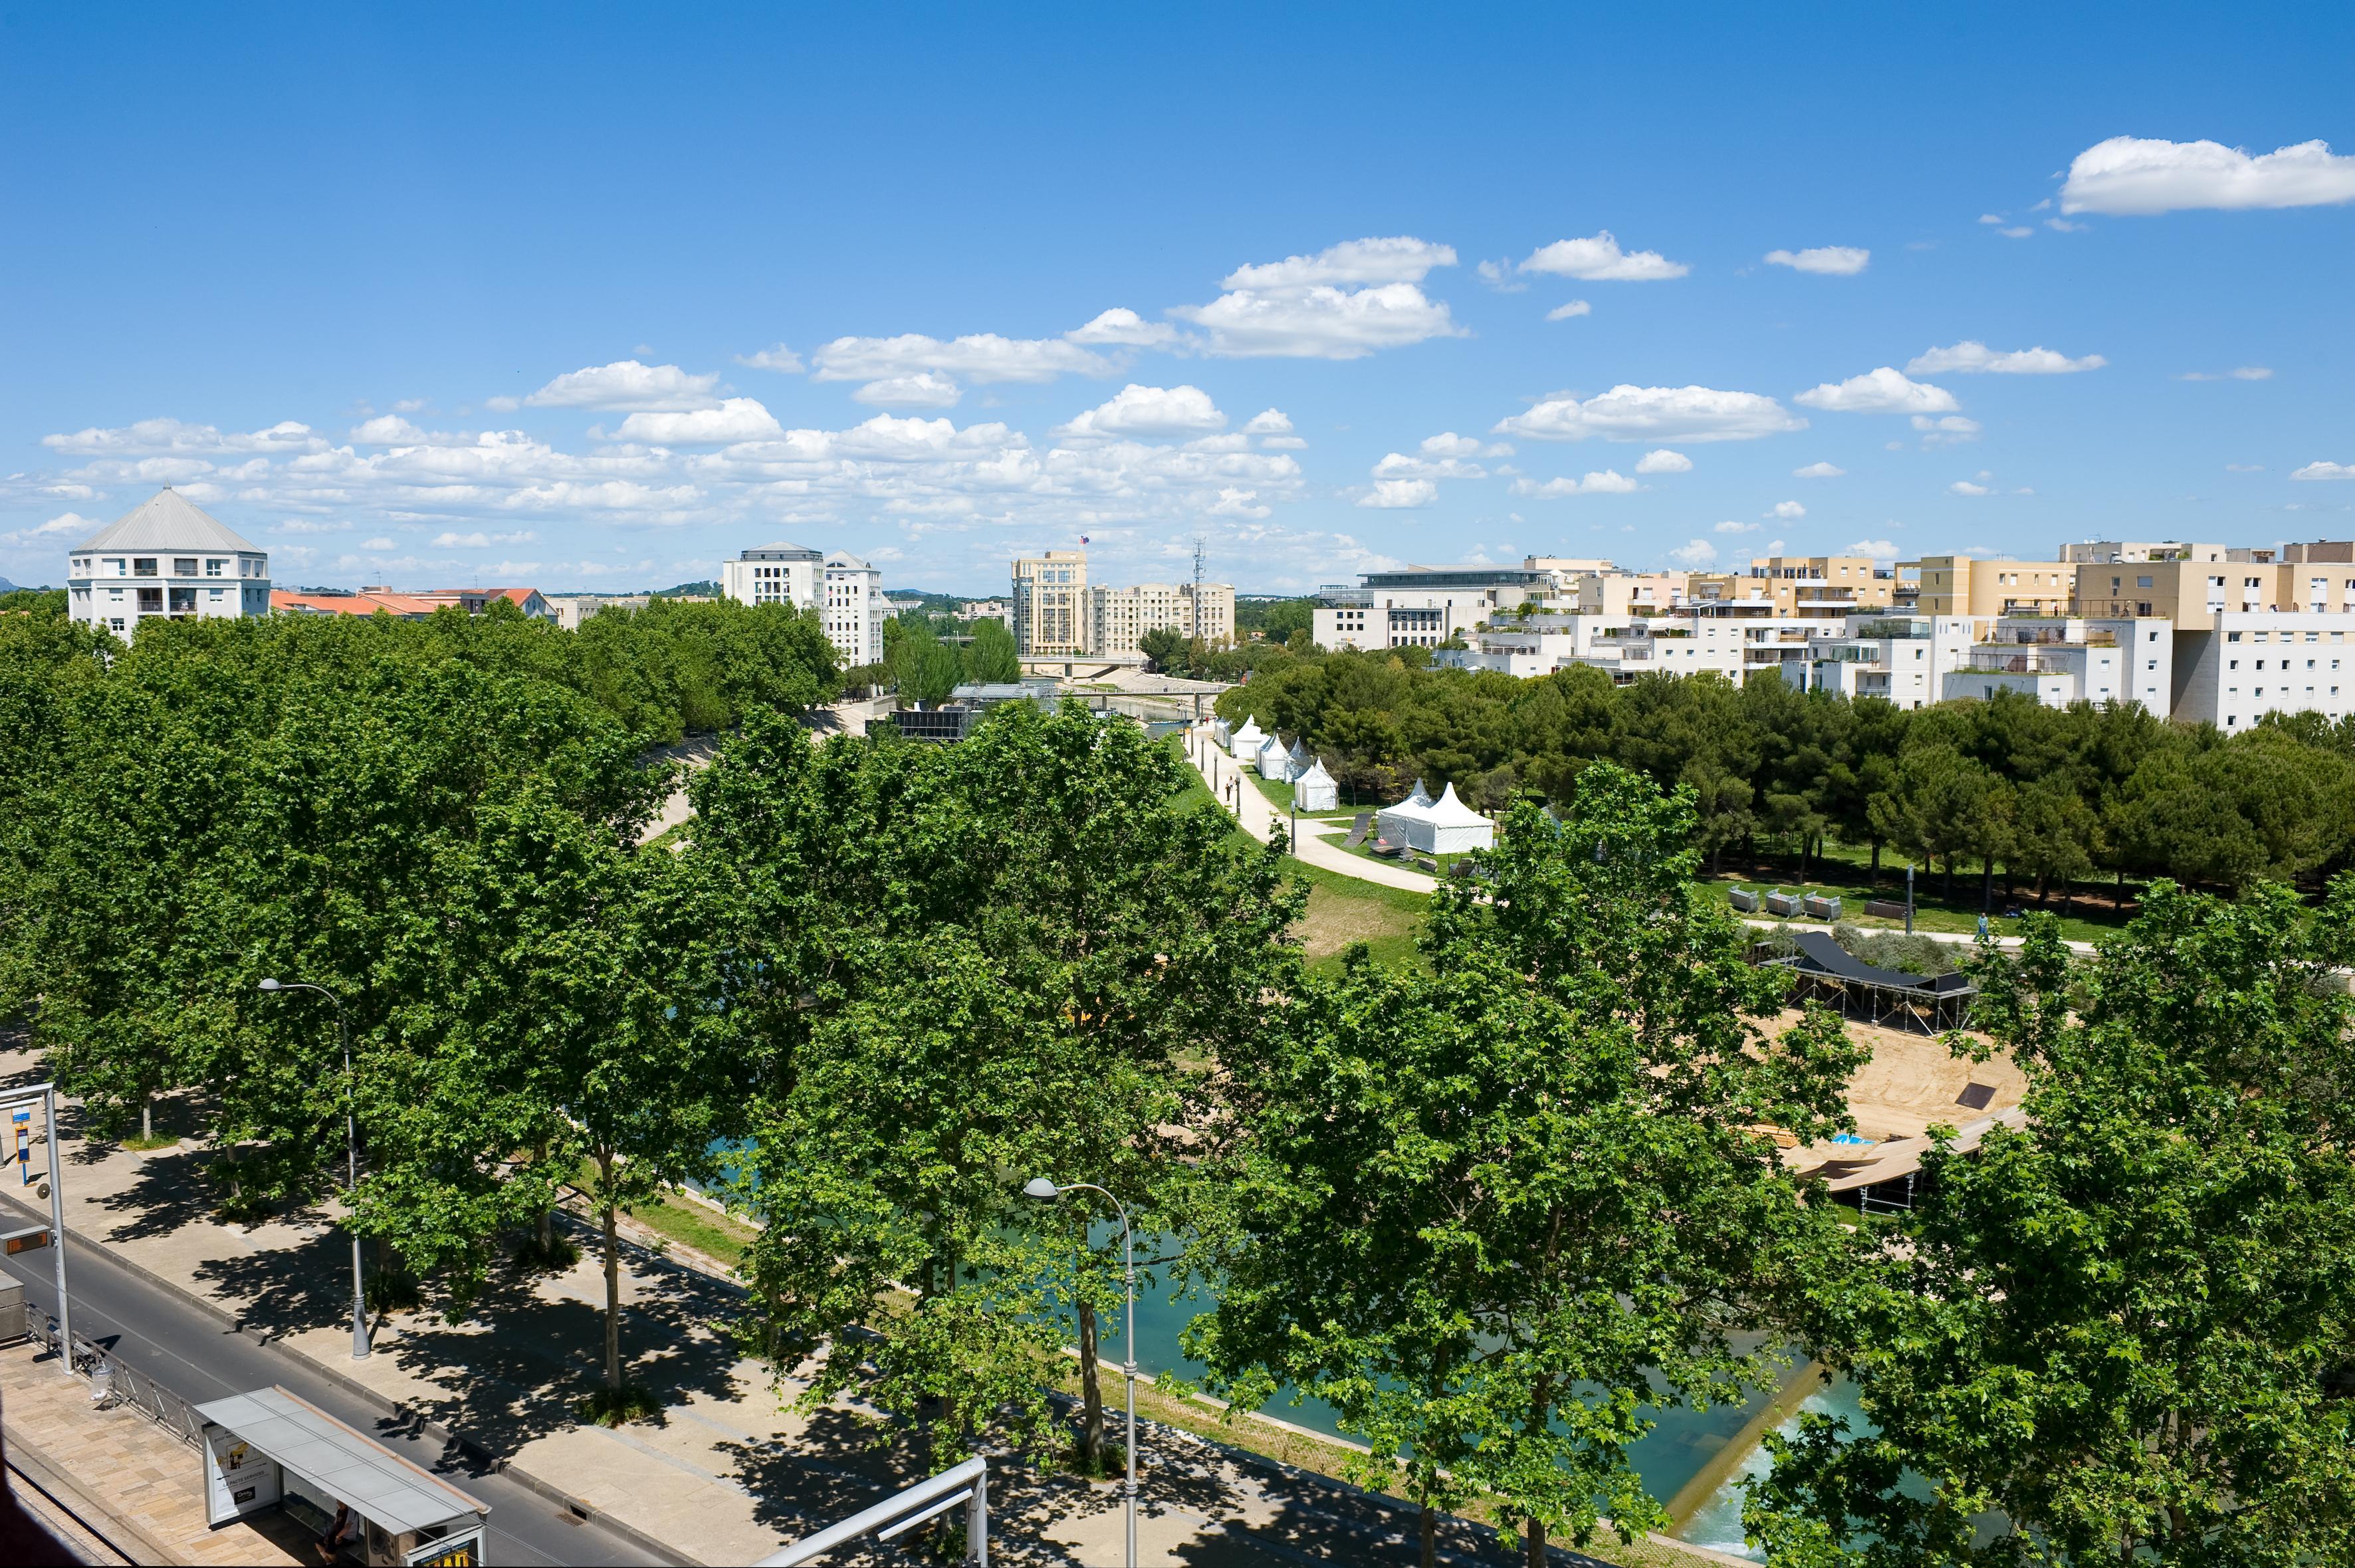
(572, 609)
(986, 610)
(2240, 666)
(846, 592)
(1121, 616)
(2061, 660)
(1811, 587)
(854, 609)
(779, 573)
(473, 600)
(1959, 585)
(1423, 606)
(1052, 605)
(164, 559)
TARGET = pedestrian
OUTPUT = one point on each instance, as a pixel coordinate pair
(332, 1542)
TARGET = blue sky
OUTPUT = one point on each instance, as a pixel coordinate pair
(593, 297)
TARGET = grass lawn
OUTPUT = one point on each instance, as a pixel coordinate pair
(1932, 912)
(1280, 796)
(690, 1223)
(1343, 910)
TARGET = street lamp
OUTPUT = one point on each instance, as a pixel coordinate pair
(1046, 1191)
(351, 1162)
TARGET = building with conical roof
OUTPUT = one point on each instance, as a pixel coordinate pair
(165, 558)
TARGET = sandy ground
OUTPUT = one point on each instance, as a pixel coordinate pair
(1914, 1080)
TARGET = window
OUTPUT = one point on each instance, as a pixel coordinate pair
(142, 566)
(184, 566)
(114, 624)
(2232, 637)
(2142, 582)
(2232, 664)
(2151, 664)
(151, 602)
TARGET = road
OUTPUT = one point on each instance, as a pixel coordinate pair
(194, 1356)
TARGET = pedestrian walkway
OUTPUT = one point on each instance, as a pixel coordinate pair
(130, 1482)
(1257, 816)
(728, 1471)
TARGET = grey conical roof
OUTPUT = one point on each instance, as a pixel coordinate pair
(165, 520)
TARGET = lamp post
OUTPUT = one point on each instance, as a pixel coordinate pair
(1046, 1191)
(1909, 898)
(351, 1162)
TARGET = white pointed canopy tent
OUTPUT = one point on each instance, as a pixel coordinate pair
(1275, 759)
(1245, 742)
(1221, 736)
(1455, 827)
(1408, 822)
(1314, 790)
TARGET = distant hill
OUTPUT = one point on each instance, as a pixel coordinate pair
(7, 586)
(704, 590)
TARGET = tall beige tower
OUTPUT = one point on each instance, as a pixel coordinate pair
(1051, 604)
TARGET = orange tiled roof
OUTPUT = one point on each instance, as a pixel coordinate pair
(366, 603)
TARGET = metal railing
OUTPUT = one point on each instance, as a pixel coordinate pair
(113, 1384)
(965, 1486)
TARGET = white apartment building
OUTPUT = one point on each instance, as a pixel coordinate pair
(1904, 659)
(1052, 605)
(778, 573)
(1423, 606)
(853, 608)
(2072, 659)
(164, 558)
(2253, 663)
(1120, 617)
(846, 592)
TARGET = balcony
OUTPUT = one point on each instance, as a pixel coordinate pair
(2001, 663)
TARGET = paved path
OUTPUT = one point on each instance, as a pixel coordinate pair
(130, 1482)
(174, 1341)
(1259, 817)
(1229, 781)
(727, 1474)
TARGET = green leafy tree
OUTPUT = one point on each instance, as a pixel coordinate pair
(991, 657)
(924, 668)
(2122, 1332)
(1502, 1211)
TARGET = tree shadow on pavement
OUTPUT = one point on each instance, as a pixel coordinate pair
(168, 1193)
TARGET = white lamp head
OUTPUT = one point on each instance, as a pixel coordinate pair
(1038, 1186)
(269, 986)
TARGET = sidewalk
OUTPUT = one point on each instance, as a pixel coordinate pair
(727, 1472)
(135, 1486)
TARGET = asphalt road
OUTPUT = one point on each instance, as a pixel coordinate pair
(192, 1355)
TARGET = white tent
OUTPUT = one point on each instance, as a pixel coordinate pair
(1408, 822)
(1314, 790)
(1301, 756)
(1456, 827)
(1275, 759)
(1220, 735)
(1245, 742)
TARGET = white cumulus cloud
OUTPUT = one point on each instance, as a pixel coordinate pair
(379, 542)
(1567, 312)
(64, 525)
(628, 384)
(387, 430)
(1147, 411)
(1973, 358)
(1122, 329)
(1947, 431)
(1818, 471)
(1731, 527)
(1834, 261)
(1609, 482)
(2243, 373)
(1965, 487)
(1447, 443)
(1654, 413)
(1879, 550)
(776, 357)
(735, 419)
(1234, 502)
(925, 390)
(1319, 323)
(982, 356)
(1786, 511)
(2324, 471)
(1599, 258)
(1400, 259)
(1660, 460)
(1401, 494)
(1698, 555)
(468, 542)
(1881, 392)
(2133, 176)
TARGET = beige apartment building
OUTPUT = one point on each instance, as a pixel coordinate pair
(1958, 585)
(1052, 605)
(1122, 616)
(1803, 587)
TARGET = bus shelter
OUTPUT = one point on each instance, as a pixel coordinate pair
(270, 1449)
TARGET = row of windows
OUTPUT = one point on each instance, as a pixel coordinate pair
(182, 566)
